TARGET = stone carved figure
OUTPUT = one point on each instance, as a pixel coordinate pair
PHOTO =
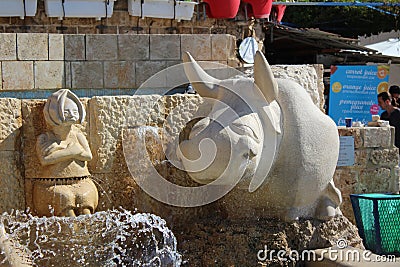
(65, 187)
(279, 142)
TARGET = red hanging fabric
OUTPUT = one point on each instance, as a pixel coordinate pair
(281, 11)
(260, 8)
(222, 9)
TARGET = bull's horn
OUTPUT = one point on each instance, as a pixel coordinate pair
(204, 84)
(264, 78)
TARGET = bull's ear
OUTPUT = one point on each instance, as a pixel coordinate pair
(264, 78)
(204, 84)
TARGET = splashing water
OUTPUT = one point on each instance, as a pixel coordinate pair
(107, 238)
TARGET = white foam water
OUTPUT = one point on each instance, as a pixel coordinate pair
(107, 238)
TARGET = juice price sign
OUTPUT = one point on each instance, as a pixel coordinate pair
(354, 90)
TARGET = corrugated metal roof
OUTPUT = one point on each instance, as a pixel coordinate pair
(288, 41)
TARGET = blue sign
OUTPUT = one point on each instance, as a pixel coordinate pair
(346, 151)
(354, 90)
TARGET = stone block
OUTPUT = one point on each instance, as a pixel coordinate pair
(198, 45)
(1, 77)
(49, 74)
(68, 76)
(396, 180)
(222, 47)
(146, 69)
(356, 132)
(34, 125)
(361, 157)
(109, 115)
(11, 182)
(376, 180)
(74, 47)
(8, 46)
(180, 109)
(116, 189)
(377, 137)
(101, 47)
(392, 140)
(56, 47)
(319, 68)
(219, 70)
(133, 47)
(385, 157)
(175, 74)
(10, 123)
(346, 180)
(308, 79)
(87, 74)
(17, 75)
(119, 74)
(33, 46)
(165, 47)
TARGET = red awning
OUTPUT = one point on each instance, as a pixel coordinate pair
(222, 9)
(260, 8)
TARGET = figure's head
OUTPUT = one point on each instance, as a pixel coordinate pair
(63, 108)
(384, 100)
(394, 91)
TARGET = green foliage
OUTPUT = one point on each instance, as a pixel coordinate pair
(344, 20)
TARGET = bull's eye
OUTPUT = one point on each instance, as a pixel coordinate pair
(242, 129)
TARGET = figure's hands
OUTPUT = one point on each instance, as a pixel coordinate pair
(52, 148)
(75, 149)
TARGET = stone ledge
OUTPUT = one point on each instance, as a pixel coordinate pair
(369, 137)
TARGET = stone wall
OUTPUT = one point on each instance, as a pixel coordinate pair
(376, 164)
(375, 168)
(121, 23)
(11, 170)
(51, 61)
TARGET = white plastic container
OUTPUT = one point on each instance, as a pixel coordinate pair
(13, 8)
(184, 10)
(162, 9)
(79, 8)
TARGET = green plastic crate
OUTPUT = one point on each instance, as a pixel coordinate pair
(378, 221)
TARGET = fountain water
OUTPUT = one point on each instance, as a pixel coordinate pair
(110, 238)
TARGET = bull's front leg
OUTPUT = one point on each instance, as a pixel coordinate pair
(328, 205)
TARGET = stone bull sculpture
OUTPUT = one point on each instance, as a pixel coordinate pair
(268, 135)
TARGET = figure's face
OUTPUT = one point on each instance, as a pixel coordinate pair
(71, 112)
(383, 104)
